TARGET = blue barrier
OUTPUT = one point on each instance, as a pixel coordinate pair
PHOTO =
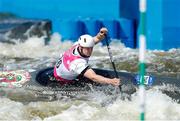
(127, 32)
(113, 28)
(170, 40)
(122, 29)
(118, 29)
(84, 17)
(61, 8)
(163, 26)
(69, 29)
(91, 26)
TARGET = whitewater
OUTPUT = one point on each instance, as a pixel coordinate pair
(162, 101)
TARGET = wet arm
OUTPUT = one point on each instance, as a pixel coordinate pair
(97, 78)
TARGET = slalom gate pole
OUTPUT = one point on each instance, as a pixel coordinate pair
(142, 50)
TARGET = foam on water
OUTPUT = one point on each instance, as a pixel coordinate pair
(158, 107)
(10, 110)
(34, 47)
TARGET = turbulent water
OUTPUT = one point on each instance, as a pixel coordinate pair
(162, 101)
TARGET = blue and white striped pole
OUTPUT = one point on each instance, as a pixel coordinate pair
(142, 50)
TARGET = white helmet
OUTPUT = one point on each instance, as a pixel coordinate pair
(86, 41)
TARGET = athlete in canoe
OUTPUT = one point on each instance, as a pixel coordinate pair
(73, 63)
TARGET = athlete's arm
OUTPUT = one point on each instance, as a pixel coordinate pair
(100, 79)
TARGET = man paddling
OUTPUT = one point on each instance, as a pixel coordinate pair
(74, 62)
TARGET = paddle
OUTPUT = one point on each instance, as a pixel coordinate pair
(111, 58)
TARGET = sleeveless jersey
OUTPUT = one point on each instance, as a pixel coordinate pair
(70, 65)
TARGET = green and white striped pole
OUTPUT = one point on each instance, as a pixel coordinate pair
(142, 50)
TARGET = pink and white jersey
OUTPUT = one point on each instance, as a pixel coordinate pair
(70, 64)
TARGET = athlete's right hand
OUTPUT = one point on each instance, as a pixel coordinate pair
(103, 31)
(115, 81)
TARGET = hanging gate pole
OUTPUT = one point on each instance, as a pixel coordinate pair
(142, 50)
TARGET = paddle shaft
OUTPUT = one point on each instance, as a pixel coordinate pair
(112, 62)
(111, 59)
